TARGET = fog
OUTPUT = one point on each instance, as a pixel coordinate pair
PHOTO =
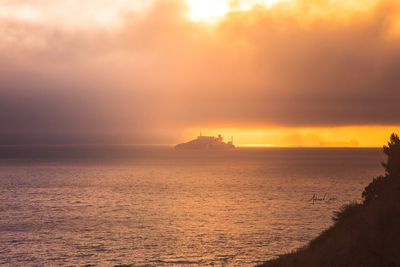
(144, 75)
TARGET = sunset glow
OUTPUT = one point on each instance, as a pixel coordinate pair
(199, 133)
(348, 136)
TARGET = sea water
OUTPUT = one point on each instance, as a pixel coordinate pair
(154, 206)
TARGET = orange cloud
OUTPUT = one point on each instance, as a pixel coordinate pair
(314, 64)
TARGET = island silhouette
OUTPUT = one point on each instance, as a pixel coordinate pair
(207, 143)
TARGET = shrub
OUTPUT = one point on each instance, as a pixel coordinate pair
(346, 211)
(375, 189)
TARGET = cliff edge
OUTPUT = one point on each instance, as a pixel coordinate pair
(364, 234)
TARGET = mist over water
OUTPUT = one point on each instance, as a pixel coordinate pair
(154, 206)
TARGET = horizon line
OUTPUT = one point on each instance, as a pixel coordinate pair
(172, 145)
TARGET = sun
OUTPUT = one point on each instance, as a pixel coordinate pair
(207, 10)
(212, 10)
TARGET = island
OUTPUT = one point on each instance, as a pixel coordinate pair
(207, 143)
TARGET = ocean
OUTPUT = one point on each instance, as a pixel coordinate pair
(154, 206)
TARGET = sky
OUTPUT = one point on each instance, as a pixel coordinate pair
(268, 72)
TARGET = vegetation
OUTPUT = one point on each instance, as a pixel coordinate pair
(346, 211)
(364, 234)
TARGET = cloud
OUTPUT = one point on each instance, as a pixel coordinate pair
(313, 63)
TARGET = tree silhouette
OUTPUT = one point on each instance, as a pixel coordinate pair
(392, 150)
(377, 188)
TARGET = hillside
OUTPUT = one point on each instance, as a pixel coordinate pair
(364, 234)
